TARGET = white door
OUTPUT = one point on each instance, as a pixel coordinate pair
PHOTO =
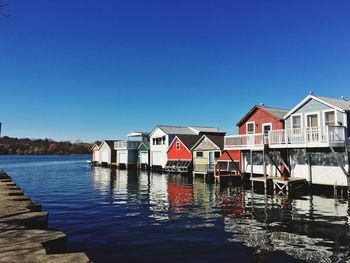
(312, 128)
(144, 157)
(250, 133)
(157, 159)
(104, 157)
(122, 158)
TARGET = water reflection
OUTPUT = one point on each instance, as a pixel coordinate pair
(311, 228)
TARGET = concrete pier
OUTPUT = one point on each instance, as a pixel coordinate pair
(24, 233)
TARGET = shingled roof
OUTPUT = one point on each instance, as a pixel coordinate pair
(188, 140)
(187, 130)
(338, 104)
(218, 140)
(277, 113)
(110, 143)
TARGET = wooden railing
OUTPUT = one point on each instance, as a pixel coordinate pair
(244, 140)
(323, 135)
(308, 135)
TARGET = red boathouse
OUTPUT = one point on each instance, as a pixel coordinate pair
(179, 153)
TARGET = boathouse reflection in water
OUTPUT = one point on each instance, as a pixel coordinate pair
(312, 228)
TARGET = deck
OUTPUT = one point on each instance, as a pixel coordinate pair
(307, 137)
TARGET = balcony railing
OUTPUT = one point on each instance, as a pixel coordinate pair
(130, 145)
(313, 136)
(244, 141)
(323, 135)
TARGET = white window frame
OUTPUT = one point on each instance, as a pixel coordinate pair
(246, 127)
(264, 125)
(313, 113)
(335, 117)
(301, 120)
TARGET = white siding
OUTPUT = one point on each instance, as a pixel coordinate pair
(122, 157)
(96, 156)
(144, 157)
(105, 154)
(159, 152)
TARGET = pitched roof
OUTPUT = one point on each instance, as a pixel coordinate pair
(277, 113)
(343, 104)
(188, 140)
(144, 143)
(138, 134)
(187, 130)
(95, 145)
(218, 140)
(110, 143)
(338, 104)
(204, 129)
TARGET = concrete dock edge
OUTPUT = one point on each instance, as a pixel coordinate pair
(24, 233)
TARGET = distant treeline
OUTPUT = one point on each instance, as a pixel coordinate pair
(10, 145)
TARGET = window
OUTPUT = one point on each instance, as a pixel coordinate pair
(199, 154)
(177, 146)
(250, 127)
(217, 155)
(296, 122)
(157, 141)
(329, 118)
(312, 120)
(266, 128)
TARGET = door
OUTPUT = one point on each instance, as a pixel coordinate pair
(211, 160)
(312, 128)
(123, 158)
(250, 133)
(266, 129)
(104, 157)
(144, 157)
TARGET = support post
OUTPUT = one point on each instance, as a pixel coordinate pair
(251, 163)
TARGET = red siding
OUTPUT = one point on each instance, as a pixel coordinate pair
(235, 155)
(260, 116)
(183, 153)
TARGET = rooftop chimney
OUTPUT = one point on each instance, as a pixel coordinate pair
(311, 92)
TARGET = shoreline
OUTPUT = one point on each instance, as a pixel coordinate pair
(24, 229)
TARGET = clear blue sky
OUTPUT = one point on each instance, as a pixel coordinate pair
(90, 70)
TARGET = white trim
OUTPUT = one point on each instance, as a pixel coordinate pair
(172, 142)
(144, 145)
(335, 117)
(345, 118)
(301, 120)
(264, 125)
(313, 113)
(95, 145)
(307, 99)
(246, 127)
(200, 140)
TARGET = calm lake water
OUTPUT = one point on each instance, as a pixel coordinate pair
(114, 216)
